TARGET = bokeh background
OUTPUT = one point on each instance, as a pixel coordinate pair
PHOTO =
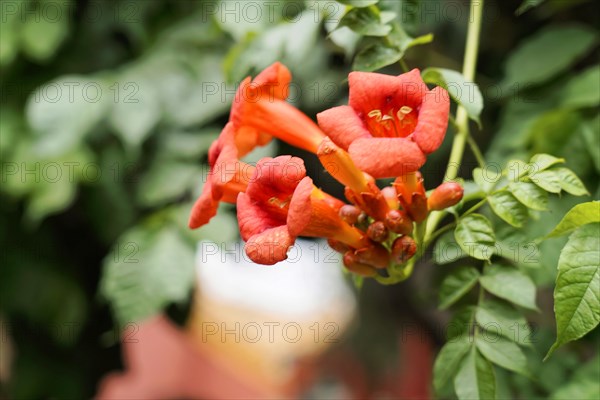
(108, 109)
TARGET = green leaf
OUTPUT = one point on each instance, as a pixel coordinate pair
(457, 284)
(358, 3)
(569, 182)
(486, 178)
(510, 284)
(166, 181)
(576, 296)
(446, 250)
(588, 389)
(527, 5)
(50, 198)
(475, 378)
(507, 207)
(461, 323)
(591, 138)
(64, 111)
(136, 109)
(464, 93)
(41, 34)
(398, 37)
(581, 214)
(448, 360)
(365, 21)
(547, 180)
(502, 352)
(188, 145)
(376, 56)
(515, 169)
(551, 131)
(582, 90)
(540, 162)
(502, 318)
(145, 272)
(583, 384)
(547, 53)
(475, 236)
(530, 195)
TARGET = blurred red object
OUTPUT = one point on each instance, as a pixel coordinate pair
(162, 363)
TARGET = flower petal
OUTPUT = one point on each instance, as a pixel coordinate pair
(276, 177)
(270, 246)
(253, 219)
(342, 125)
(274, 81)
(433, 120)
(204, 208)
(386, 157)
(372, 91)
(300, 212)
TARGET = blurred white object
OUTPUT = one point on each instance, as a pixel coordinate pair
(265, 319)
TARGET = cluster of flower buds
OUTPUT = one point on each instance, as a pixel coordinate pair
(386, 131)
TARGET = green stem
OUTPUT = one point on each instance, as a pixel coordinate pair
(476, 151)
(469, 65)
(403, 65)
(462, 119)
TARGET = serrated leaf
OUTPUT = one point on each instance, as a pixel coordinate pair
(457, 284)
(569, 182)
(448, 360)
(475, 236)
(376, 56)
(486, 179)
(510, 284)
(515, 169)
(547, 53)
(540, 162)
(497, 316)
(507, 207)
(399, 38)
(547, 180)
(581, 214)
(461, 324)
(145, 272)
(502, 352)
(530, 195)
(576, 295)
(582, 90)
(446, 250)
(464, 93)
(475, 378)
(365, 21)
(63, 111)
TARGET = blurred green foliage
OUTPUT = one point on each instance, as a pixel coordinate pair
(108, 110)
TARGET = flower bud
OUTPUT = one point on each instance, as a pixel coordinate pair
(390, 195)
(338, 246)
(350, 214)
(444, 196)
(375, 255)
(403, 249)
(377, 231)
(353, 265)
(418, 207)
(398, 222)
